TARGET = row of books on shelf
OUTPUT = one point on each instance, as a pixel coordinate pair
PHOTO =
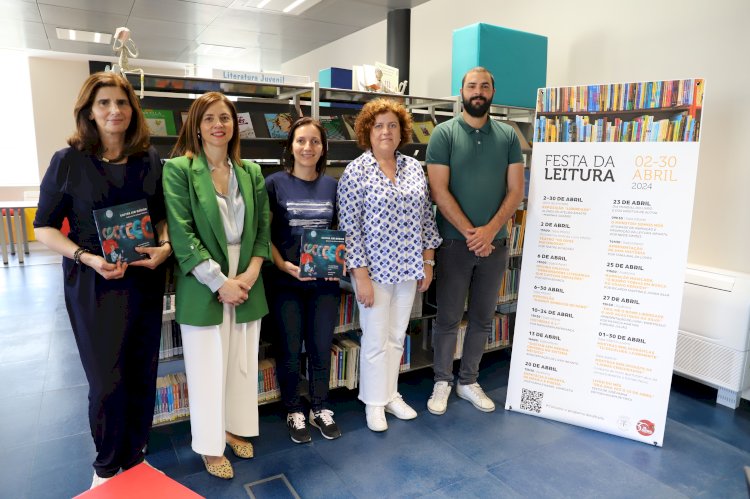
(173, 402)
(516, 229)
(167, 123)
(509, 286)
(171, 340)
(681, 127)
(622, 96)
(268, 382)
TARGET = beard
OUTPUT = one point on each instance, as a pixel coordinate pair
(477, 107)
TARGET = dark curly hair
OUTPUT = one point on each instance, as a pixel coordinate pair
(374, 108)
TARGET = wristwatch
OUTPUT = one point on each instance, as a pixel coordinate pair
(429, 262)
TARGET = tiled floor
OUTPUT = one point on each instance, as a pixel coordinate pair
(46, 450)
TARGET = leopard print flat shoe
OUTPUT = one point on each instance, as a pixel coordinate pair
(242, 449)
(222, 470)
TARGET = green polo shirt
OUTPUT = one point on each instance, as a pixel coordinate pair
(478, 160)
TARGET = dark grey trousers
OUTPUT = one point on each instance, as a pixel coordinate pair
(460, 273)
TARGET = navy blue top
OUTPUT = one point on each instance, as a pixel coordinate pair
(298, 204)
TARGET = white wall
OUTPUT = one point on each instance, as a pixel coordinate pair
(55, 82)
(598, 42)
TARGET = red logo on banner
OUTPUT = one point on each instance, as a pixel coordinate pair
(645, 427)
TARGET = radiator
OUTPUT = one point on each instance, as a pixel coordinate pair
(713, 344)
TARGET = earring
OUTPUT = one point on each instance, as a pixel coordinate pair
(199, 136)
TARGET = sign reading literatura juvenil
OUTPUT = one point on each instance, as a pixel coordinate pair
(607, 229)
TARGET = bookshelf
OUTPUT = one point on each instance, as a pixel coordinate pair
(653, 111)
(165, 95)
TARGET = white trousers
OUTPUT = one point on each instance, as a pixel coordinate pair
(221, 363)
(384, 327)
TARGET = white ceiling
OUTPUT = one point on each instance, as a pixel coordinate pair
(171, 30)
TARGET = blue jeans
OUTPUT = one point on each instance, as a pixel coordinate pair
(459, 272)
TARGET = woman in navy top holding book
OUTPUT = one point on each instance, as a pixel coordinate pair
(115, 309)
(305, 310)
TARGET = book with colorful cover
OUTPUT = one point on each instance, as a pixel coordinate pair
(246, 126)
(122, 229)
(422, 131)
(349, 120)
(322, 253)
(279, 124)
(160, 122)
(334, 126)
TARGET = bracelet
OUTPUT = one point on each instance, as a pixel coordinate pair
(429, 262)
(77, 255)
(167, 241)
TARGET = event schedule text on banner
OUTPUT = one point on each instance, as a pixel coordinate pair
(612, 184)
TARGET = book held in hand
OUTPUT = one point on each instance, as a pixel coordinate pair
(322, 253)
(123, 228)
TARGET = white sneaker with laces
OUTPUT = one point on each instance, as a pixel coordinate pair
(438, 402)
(400, 409)
(474, 394)
(376, 417)
(98, 480)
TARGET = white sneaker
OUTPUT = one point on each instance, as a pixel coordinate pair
(400, 409)
(474, 394)
(438, 402)
(376, 417)
(98, 480)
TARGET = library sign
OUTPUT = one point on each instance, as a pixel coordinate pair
(607, 229)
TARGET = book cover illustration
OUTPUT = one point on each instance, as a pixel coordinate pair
(334, 126)
(322, 253)
(349, 120)
(422, 131)
(160, 122)
(279, 124)
(123, 228)
(246, 126)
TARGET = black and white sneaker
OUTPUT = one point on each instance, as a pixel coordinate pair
(298, 430)
(323, 420)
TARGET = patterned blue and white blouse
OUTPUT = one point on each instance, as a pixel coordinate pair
(387, 225)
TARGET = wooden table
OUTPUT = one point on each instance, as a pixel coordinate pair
(21, 242)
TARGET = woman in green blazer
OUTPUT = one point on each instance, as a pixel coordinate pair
(217, 207)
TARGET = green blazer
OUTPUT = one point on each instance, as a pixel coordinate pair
(197, 234)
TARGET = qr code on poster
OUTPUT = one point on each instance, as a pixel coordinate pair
(531, 400)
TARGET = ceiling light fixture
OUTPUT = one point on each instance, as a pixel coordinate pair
(78, 35)
(288, 7)
(292, 6)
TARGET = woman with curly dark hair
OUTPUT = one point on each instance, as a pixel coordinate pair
(391, 236)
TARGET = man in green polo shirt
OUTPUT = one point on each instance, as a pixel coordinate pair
(475, 170)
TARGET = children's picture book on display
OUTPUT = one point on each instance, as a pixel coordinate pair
(375, 78)
(322, 253)
(422, 131)
(122, 228)
(160, 122)
(246, 126)
(334, 126)
(279, 124)
(349, 120)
